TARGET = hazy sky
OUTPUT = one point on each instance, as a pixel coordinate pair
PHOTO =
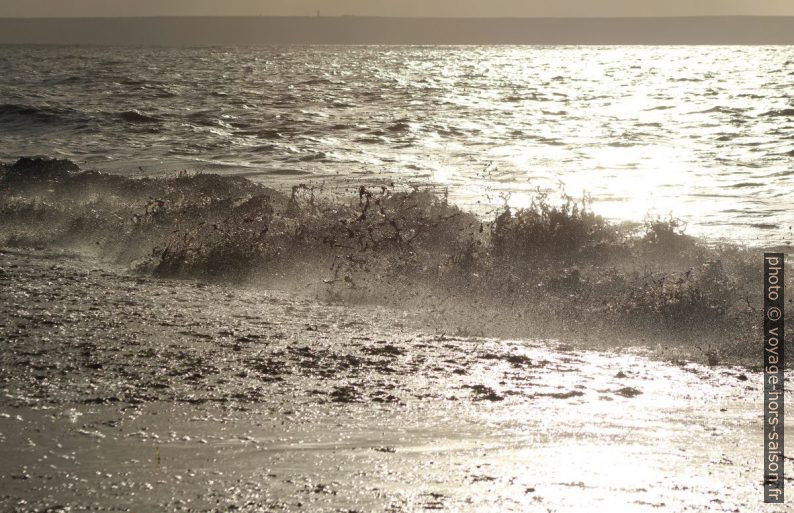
(57, 8)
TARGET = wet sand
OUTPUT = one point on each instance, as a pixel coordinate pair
(128, 393)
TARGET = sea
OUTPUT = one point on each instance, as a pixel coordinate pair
(704, 134)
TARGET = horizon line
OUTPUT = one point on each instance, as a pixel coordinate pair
(366, 16)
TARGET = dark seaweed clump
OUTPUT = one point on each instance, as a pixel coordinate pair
(551, 269)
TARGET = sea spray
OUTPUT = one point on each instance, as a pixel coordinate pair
(543, 270)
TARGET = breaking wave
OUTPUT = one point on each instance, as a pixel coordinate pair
(551, 268)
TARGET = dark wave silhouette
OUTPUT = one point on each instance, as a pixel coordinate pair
(535, 270)
(11, 113)
(134, 116)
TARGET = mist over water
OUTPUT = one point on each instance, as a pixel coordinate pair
(702, 133)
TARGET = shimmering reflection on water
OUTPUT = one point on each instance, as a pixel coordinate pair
(704, 133)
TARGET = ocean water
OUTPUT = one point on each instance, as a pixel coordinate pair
(705, 134)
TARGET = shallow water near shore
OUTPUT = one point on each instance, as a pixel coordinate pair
(137, 394)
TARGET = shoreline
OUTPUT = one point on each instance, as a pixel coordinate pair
(184, 395)
(400, 249)
(546, 270)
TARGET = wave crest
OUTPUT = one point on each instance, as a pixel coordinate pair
(135, 116)
(549, 268)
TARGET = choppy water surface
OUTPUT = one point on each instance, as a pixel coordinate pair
(704, 133)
